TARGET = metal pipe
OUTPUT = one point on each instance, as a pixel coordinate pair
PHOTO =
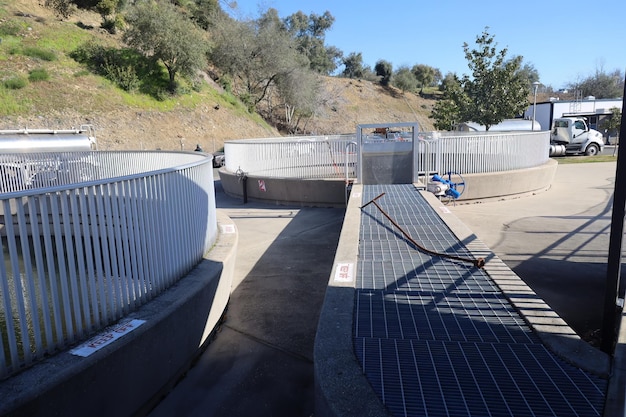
(478, 262)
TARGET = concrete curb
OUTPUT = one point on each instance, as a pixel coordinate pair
(509, 183)
(552, 329)
(341, 388)
(331, 192)
(123, 378)
(286, 191)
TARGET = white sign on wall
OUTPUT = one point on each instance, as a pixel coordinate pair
(108, 336)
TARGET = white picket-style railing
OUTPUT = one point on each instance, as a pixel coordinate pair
(332, 156)
(474, 153)
(307, 157)
(89, 237)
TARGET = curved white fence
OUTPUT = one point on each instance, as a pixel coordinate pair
(336, 156)
(89, 237)
(307, 157)
(471, 153)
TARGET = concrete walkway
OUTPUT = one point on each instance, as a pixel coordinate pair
(556, 241)
(261, 361)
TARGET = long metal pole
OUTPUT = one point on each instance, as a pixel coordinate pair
(536, 85)
(534, 110)
(615, 290)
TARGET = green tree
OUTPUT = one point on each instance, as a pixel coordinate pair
(205, 12)
(159, 31)
(256, 53)
(528, 73)
(107, 9)
(299, 91)
(495, 91)
(601, 85)
(309, 33)
(384, 70)
(353, 65)
(62, 8)
(448, 81)
(424, 75)
(614, 122)
(448, 112)
(404, 79)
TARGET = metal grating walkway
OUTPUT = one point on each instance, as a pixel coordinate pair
(437, 338)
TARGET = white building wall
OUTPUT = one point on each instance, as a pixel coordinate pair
(548, 111)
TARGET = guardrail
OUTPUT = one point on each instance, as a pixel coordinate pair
(314, 157)
(88, 237)
(307, 157)
(471, 153)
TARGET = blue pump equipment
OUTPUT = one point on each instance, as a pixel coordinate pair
(447, 187)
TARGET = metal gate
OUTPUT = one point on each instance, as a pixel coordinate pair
(386, 153)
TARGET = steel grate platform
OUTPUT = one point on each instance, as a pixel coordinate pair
(436, 337)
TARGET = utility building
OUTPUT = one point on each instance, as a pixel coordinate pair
(594, 110)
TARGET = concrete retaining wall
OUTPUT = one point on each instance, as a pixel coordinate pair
(286, 191)
(126, 377)
(341, 388)
(332, 192)
(508, 183)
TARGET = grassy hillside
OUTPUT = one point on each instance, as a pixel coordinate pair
(41, 86)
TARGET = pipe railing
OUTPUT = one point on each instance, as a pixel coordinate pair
(481, 153)
(310, 157)
(89, 237)
(435, 152)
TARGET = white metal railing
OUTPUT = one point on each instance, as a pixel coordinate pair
(89, 237)
(472, 153)
(435, 152)
(307, 157)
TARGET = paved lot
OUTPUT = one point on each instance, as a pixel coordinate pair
(261, 362)
(556, 240)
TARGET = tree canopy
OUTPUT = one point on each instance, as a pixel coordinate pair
(601, 85)
(404, 79)
(384, 69)
(309, 33)
(424, 74)
(159, 31)
(496, 90)
(262, 59)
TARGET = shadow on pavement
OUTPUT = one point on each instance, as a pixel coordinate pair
(261, 361)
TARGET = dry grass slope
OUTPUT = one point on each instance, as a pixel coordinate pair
(124, 121)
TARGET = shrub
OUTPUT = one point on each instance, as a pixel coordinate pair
(10, 28)
(15, 83)
(38, 74)
(44, 54)
(109, 26)
(124, 76)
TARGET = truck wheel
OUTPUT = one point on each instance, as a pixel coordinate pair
(592, 150)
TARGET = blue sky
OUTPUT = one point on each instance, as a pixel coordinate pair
(566, 41)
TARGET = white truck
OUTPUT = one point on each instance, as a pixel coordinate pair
(572, 135)
(44, 157)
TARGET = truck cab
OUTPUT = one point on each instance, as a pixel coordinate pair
(576, 137)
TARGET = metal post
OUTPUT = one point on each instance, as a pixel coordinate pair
(535, 85)
(614, 290)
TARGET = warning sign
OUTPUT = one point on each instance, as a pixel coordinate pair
(344, 272)
(105, 338)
